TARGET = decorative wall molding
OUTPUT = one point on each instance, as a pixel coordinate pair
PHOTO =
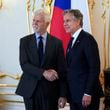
(16, 77)
(1, 4)
(8, 90)
(106, 22)
(91, 4)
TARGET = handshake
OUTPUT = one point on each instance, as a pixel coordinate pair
(50, 75)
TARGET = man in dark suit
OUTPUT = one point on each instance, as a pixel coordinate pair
(83, 64)
(42, 83)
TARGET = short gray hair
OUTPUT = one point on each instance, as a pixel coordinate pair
(76, 14)
(44, 13)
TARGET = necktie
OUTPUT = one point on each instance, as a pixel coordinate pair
(68, 54)
(70, 44)
(40, 49)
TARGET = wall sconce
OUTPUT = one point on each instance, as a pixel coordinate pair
(1, 4)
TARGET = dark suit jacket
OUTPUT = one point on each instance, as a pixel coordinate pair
(32, 70)
(84, 68)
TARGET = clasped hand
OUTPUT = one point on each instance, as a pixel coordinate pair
(86, 101)
(50, 74)
(62, 102)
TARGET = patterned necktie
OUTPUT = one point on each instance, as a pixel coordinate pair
(68, 51)
(40, 48)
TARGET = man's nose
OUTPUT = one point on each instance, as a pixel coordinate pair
(65, 23)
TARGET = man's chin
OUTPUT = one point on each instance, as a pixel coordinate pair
(35, 30)
(67, 31)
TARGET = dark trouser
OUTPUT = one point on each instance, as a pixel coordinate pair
(78, 106)
(28, 104)
(43, 98)
(37, 103)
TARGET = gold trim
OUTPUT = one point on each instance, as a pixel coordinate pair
(109, 38)
(28, 5)
(106, 7)
(13, 101)
(48, 5)
(43, 3)
(91, 4)
(16, 77)
(8, 85)
(104, 42)
(33, 7)
(1, 4)
(4, 93)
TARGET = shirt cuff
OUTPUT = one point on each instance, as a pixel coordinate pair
(87, 94)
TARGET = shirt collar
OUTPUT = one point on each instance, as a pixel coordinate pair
(44, 35)
(75, 35)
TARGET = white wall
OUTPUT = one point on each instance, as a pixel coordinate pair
(13, 26)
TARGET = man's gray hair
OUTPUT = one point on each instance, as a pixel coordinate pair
(44, 13)
(76, 14)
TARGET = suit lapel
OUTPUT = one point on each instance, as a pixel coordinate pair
(75, 47)
(78, 40)
(33, 47)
